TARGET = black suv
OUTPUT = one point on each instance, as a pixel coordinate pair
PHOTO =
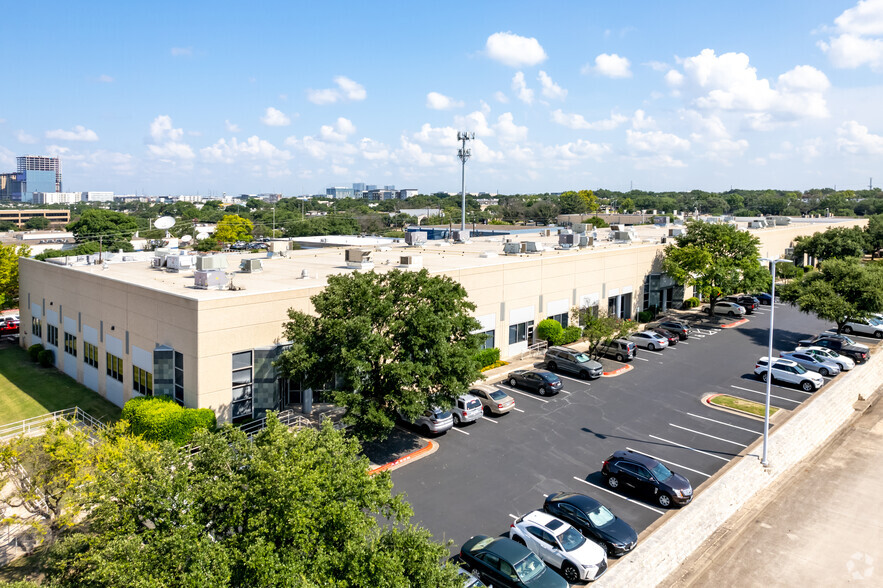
(676, 327)
(839, 343)
(645, 475)
(750, 303)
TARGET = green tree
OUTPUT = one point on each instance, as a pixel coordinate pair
(113, 230)
(233, 228)
(580, 202)
(37, 222)
(598, 328)
(395, 341)
(875, 233)
(9, 255)
(284, 509)
(840, 290)
(835, 243)
(550, 330)
(716, 259)
(627, 205)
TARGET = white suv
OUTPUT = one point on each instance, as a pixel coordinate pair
(560, 545)
(728, 308)
(786, 370)
(872, 327)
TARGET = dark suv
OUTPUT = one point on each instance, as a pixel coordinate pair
(570, 360)
(645, 475)
(618, 349)
(750, 303)
(841, 344)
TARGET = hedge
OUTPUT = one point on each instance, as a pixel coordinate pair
(550, 330)
(691, 302)
(487, 357)
(571, 334)
(46, 358)
(645, 316)
(159, 418)
(34, 352)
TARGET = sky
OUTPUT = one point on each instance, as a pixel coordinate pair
(293, 97)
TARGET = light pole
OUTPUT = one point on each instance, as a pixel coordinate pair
(464, 154)
(769, 358)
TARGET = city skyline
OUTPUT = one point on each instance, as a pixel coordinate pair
(295, 98)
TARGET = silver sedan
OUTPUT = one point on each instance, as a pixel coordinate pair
(824, 366)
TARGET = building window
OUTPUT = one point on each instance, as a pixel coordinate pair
(243, 384)
(561, 318)
(115, 367)
(70, 344)
(179, 377)
(142, 381)
(36, 327)
(90, 354)
(52, 335)
(520, 332)
(489, 340)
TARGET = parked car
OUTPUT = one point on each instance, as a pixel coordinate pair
(870, 326)
(543, 382)
(749, 303)
(559, 545)
(763, 298)
(839, 343)
(618, 349)
(502, 562)
(785, 370)
(569, 360)
(493, 399)
(730, 309)
(679, 328)
(641, 473)
(9, 325)
(649, 340)
(594, 520)
(823, 366)
(467, 409)
(672, 338)
(470, 580)
(845, 363)
(432, 421)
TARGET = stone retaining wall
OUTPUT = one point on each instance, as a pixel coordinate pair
(665, 549)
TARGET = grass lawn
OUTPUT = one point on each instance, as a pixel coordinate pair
(748, 406)
(27, 390)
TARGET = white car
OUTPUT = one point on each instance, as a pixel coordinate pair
(649, 340)
(560, 545)
(871, 327)
(785, 370)
(730, 309)
(845, 363)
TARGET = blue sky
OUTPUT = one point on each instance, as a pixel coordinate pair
(293, 97)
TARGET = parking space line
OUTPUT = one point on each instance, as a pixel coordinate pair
(490, 420)
(578, 381)
(683, 467)
(615, 494)
(459, 430)
(511, 389)
(683, 343)
(513, 516)
(723, 423)
(641, 358)
(690, 448)
(764, 394)
(707, 435)
(656, 352)
(518, 409)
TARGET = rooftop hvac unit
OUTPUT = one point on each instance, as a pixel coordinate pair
(531, 247)
(567, 239)
(676, 232)
(251, 265)
(586, 241)
(415, 238)
(206, 279)
(511, 248)
(461, 236)
(621, 235)
(211, 262)
(176, 263)
(756, 224)
(580, 228)
(304, 274)
(411, 261)
(359, 259)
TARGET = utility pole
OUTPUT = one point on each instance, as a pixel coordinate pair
(274, 221)
(464, 154)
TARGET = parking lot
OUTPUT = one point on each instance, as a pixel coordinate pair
(486, 474)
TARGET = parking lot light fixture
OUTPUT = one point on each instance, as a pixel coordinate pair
(769, 362)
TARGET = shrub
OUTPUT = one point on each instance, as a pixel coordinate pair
(34, 352)
(46, 358)
(496, 364)
(550, 330)
(571, 334)
(691, 302)
(645, 316)
(487, 357)
(160, 418)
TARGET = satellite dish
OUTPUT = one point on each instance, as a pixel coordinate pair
(202, 236)
(186, 238)
(164, 222)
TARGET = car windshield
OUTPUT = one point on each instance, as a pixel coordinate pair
(799, 368)
(601, 516)
(441, 415)
(473, 404)
(660, 472)
(847, 340)
(498, 395)
(581, 357)
(549, 377)
(529, 568)
(571, 539)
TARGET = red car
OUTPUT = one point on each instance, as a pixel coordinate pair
(9, 326)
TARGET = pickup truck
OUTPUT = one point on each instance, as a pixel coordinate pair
(841, 344)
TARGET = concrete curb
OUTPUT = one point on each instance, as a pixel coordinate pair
(428, 449)
(617, 372)
(736, 324)
(706, 400)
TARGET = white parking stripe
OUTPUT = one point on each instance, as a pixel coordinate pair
(707, 435)
(459, 430)
(641, 358)
(511, 389)
(683, 467)
(683, 343)
(615, 494)
(654, 352)
(489, 420)
(518, 409)
(764, 394)
(690, 448)
(578, 381)
(723, 423)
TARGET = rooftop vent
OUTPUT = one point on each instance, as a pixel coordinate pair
(566, 240)
(461, 236)
(416, 238)
(411, 261)
(205, 279)
(251, 265)
(359, 259)
(211, 262)
(512, 248)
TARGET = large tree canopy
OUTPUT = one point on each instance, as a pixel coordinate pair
(397, 340)
(841, 289)
(716, 259)
(113, 230)
(835, 243)
(9, 255)
(233, 228)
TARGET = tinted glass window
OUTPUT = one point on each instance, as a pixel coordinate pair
(498, 395)
(473, 404)
(798, 369)
(550, 377)
(571, 539)
(529, 568)
(601, 516)
(660, 472)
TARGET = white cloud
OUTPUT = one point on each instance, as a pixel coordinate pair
(610, 65)
(105, 79)
(436, 136)
(576, 150)
(674, 78)
(513, 50)
(23, 137)
(500, 97)
(79, 133)
(519, 86)
(474, 122)
(578, 121)
(347, 90)
(182, 51)
(166, 140)
(657, 65)
(640, 120)
(857, 139)
(551, 90)
(437, 101)
(253, 148)
(859, 40)
(655, 141)
(275, 118)
(339, 131)
(231, 127)
(373, 150)
(507, 131)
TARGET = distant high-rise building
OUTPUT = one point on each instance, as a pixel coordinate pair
(39, 163)
(339, 192)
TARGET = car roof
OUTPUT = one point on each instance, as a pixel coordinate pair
(502, 546)
(467, 397)
(544, 519)
(581, 501)
(636, 457)
(778, 361)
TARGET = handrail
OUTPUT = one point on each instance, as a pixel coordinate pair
(38, 423)
(535, 349)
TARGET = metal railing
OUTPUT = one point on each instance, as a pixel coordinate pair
(35, 425)
(535, 350)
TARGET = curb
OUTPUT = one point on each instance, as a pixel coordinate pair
(736, 324)
(428, 449)
(617, 372)
(706, 398)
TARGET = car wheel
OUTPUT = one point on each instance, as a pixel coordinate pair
(664, 500)
(425, 429)
(878, 334)
(613, 481)
(619, 357)
(512, 382)
(570, 573)
(608, 549)
(552, 366)
(731, 314)
(807, 386)
(456, 419)
(519, 540)
(824, 372)
(651, 347)
(584, 375)
(847, 330)
(544, 391)
(764, 375)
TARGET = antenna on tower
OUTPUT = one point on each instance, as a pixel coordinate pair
(464, 154)
(870, 183)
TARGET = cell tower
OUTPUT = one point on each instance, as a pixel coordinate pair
(464, 154)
